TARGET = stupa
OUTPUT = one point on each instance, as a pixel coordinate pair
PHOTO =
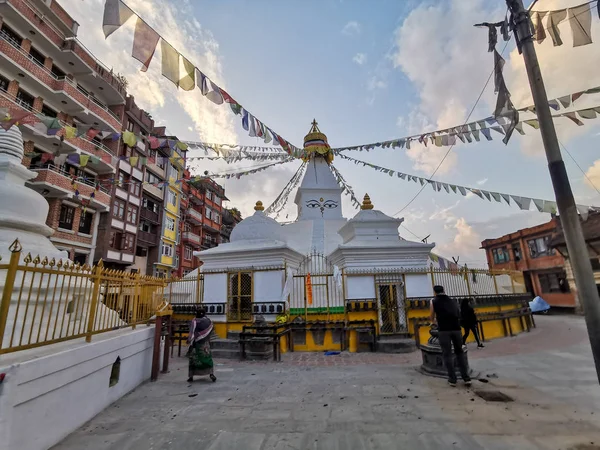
(267, 264)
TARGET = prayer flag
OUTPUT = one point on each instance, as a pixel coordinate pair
(145, 40)
(129, 138)
(188, 76)
(116, 13)
(170, 62)
(309, 291)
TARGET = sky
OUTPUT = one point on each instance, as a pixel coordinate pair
(367, 72)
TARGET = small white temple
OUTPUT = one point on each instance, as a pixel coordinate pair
(268, 262)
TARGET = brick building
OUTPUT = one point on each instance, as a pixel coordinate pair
(591, 234)
(530, 251)
(45, 70)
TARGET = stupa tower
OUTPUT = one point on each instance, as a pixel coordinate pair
(319, 196)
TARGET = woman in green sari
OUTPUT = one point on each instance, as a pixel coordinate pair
(201, 362)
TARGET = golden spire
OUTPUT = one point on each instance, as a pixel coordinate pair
(367, 203)
(315, 127)
(259, 206)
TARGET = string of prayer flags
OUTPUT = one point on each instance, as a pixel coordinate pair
(179, 70)
(524, 203)
(493, 28)
(346, 188)
(249, 172)
(504, 106)
(579, 18)
(280, 202)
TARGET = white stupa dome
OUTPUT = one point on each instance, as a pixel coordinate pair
(257, 227)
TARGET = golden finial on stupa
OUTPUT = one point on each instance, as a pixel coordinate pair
(259, 206)
(367, 203)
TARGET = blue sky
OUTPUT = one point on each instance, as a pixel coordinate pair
(367, 71)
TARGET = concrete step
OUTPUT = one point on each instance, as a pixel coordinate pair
(225, 353)
(227, 344)
(235, 335)
(393, 337)
(398, 345)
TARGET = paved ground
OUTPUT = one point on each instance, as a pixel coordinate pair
(368, 402)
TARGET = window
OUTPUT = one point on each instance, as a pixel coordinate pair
(67, 213)
(129, 243)
(188, 253)
(146, 227)
(239, 298)
(47, 111)
(217, 200)
(209, 195)
(216, 218)
(123, 178)
(37, 57)
(134, 188)
(56, 71)
(4, 83)
(80, 258)
(85, 222)
(208, 213)
(516, 248)
(172, 198)
(12, 37)
(24, 99)
(167, 250)
(150, 205)
(595, 264)
(119, 209)
(176, 260)
(555, 282)
(130, 126)
(132, 213)
(115, 240)
(187, 226)
(500, 255)
(539, 247)
(174, 171)
(151, 178)
(170, 224)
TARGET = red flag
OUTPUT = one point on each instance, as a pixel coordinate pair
(227, 97)
(153, 142)
(92, 133)
(309, 291)
(18, 116)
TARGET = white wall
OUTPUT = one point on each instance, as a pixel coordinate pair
(215, 288)
(43, 400)
(268, 286)
(418, 285)
(359, 287)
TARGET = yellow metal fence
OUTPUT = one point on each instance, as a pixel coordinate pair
(48, 301)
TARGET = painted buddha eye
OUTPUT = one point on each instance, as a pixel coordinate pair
(330, 204)
(312, 204)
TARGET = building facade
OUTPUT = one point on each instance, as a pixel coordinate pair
(45, 70)
(591, 234)
(530, 251)
(118, 231)
(231, 217)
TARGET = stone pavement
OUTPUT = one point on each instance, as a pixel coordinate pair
(368, 402)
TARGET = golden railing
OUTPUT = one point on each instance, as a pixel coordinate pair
(48, 301)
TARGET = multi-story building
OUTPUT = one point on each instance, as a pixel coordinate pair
(231, 217)
(213, 195)
(529, 250)
(118, 230)
(45, 70)
(591, 234)
(168, 260)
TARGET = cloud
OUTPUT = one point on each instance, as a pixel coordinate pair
(466, 241)
(593, 175)
(482, 182)
(360, 58)
(176, 109)
(352, 28)
(376, 82)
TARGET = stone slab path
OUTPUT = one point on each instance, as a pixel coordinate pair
(368, 402)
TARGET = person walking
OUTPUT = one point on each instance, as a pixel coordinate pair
(446, 313)
(201, 362)
(468, 320)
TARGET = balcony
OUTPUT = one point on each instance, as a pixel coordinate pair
(208, 243)
(210, 225)
(26, 14)
(192, 238)
(153, 190)
(60, 89)
(145, 238)
(150, 216)
(54, 182)
(74, 145)
(194, 216)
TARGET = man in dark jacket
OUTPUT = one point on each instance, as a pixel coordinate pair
(446, 313)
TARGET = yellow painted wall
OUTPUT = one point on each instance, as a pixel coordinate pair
(170, 207)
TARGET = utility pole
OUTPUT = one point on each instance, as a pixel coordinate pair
(569, 218)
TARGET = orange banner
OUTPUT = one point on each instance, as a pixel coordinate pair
(309, 296)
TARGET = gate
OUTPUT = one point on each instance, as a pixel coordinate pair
(389, 289)
(327, 295)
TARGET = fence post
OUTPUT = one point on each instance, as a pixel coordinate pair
(467, 280)
(432, 277)
(136, 299)
(198, 277)
(9, 284)
(512, 282)
(495, 282)
(97, 275)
